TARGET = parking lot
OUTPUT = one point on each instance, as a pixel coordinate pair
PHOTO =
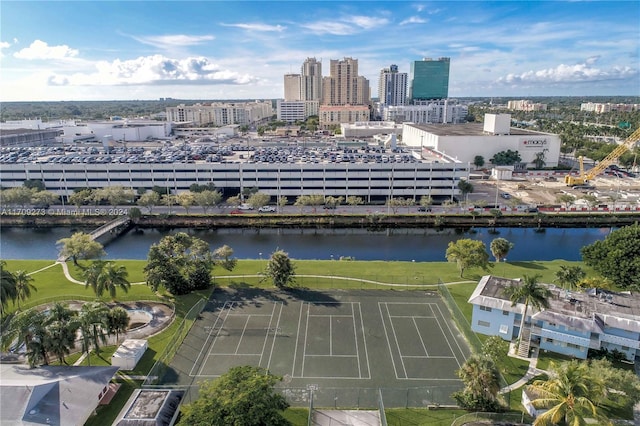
(231, 151)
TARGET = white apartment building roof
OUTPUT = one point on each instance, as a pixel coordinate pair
(590, 310)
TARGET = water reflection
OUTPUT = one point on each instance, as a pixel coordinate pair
(397, 244)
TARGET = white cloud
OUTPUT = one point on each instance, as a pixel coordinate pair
(330, 27)
(3, 45)
(577, 73)
(41, 50)
(175, 40)
(367, 22)
(257, 27)
(413, 20)
(154, 70)
(345, 26)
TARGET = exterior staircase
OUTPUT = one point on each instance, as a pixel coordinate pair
(525, 341)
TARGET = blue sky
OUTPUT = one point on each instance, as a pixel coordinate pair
(102, 50)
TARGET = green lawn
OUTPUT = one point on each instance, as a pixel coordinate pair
(51, 284)
(297, 416)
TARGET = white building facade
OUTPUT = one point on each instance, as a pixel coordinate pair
(292, 111)
(427, 112)
(526, 105)
(392, 86)
(465, 141)
(574, 322)
(221, 114)
(368, 180)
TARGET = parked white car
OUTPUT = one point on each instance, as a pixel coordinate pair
(267, 209)
(245, 207)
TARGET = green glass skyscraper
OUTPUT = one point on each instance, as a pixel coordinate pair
(429, 79)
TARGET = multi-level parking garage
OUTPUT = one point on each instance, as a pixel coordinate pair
(286, 169)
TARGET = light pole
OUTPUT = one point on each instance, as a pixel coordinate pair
(497, 187)
(390, 193)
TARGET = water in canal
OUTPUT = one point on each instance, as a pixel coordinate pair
(399, 244)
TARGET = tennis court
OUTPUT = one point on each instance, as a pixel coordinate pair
(337, 339)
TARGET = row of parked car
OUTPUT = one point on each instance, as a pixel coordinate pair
(332, 154)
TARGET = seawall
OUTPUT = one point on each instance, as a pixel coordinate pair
(336, 221)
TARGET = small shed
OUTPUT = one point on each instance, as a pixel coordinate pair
(528, 396)
(129, 353)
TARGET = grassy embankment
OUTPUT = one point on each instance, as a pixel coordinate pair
(52, 285)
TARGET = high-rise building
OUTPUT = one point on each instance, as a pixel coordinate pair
(429, 79)
(392, 86)
(302, 92)
(346, 96)
(292, 87)
(344, 86)
(311, 80)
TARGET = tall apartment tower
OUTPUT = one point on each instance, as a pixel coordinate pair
(292, 87)
(429, 79)
(344, 86)
(311, 80)
(392, 86)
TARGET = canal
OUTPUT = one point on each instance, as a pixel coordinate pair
(398, 244)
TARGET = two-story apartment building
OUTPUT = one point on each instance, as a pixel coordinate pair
(574, 323)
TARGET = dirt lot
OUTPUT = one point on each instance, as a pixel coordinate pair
(534, 190)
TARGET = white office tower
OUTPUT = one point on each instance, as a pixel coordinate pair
(392, 86)
(311, 80)
(292, 87)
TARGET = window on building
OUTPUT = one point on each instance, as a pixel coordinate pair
(484, 323)
(505, 312)
(485, 308)
(574, 346)
(548, 340)
(504, 329)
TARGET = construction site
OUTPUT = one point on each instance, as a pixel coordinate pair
(539, 190)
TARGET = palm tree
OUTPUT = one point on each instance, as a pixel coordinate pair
(500, 247)
(570, 275)
(481, 377)
(114, 277)
(571, 395)
(8, 289)
(23, 286)
(529, 292)
(103, 275)
(60, 339)
(118, 321)
(26, 331)
(224, 257)
(33, 332)
(93, 326)
(62, 324)
(92, 274)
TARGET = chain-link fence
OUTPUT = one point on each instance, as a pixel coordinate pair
(465, 328)
(162, 364)
(416, 281)
(481, 417)
(459, 318)
(370, 398)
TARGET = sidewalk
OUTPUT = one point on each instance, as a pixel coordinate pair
(532, 371)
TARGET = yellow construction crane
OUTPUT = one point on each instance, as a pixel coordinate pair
(584, 177)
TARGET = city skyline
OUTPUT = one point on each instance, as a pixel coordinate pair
(118, 50)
